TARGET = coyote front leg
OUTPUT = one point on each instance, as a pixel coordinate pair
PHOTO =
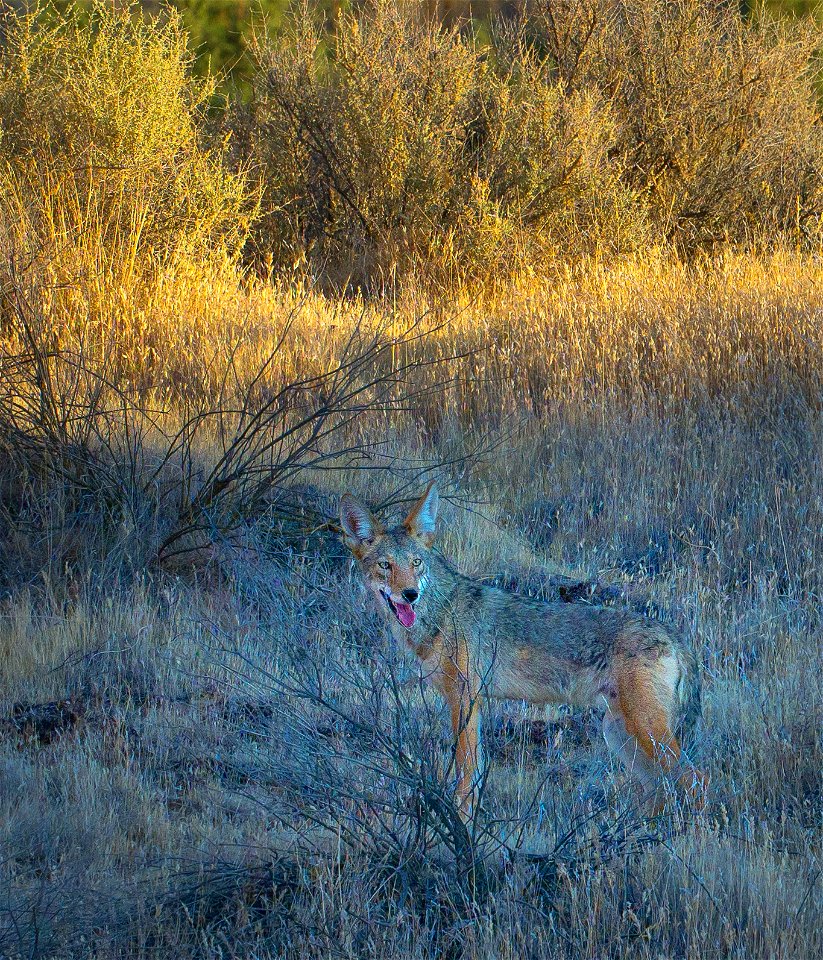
(463, 698)
(465, 718)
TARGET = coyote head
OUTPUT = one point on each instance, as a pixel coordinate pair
(394, 562)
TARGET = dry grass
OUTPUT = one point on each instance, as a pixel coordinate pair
(684, 474)
(222, 756)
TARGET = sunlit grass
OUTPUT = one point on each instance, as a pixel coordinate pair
(644, 420)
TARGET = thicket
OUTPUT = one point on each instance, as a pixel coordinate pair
(395, 146)
(106, 178)
(125, 348)
(402, 146)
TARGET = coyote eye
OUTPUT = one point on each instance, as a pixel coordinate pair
(384, 565)
(417, 562)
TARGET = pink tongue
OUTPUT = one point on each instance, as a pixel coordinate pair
(405, 614)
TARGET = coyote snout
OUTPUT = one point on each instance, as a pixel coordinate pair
(477, 641)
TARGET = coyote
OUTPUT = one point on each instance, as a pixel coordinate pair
(476, 641)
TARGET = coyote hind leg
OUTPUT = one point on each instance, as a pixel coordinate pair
(638, 728)
(641, 767)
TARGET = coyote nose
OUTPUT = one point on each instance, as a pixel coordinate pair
(410, 595)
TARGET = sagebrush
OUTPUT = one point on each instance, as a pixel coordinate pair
(399, 145)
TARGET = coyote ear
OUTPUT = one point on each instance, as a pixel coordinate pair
(422, 520)
(357, 521)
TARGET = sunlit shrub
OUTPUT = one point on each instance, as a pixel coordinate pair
(100, 136)
(105, 180)
(716, 118)
(398, 146)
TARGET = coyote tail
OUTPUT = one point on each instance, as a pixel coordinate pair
(688, 696)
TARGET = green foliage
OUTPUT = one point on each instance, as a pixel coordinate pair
(220, 32)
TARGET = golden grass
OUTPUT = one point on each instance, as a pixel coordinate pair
(645, 422)
(660, 429)
(633, 329)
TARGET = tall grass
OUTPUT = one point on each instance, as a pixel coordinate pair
(207, 748)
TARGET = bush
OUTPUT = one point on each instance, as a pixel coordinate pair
(716, 117)
(398, 145)
(107, 101)
(403, 145)
(104, 175)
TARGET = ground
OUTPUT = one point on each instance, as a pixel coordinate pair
(221, 754)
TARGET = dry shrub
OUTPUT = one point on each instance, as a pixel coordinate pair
(403, 146)
(398, 145)
(716, 116)
(104, 174)
(130, 483)
(188, 746)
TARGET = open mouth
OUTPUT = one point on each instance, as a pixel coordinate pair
(403, 611)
